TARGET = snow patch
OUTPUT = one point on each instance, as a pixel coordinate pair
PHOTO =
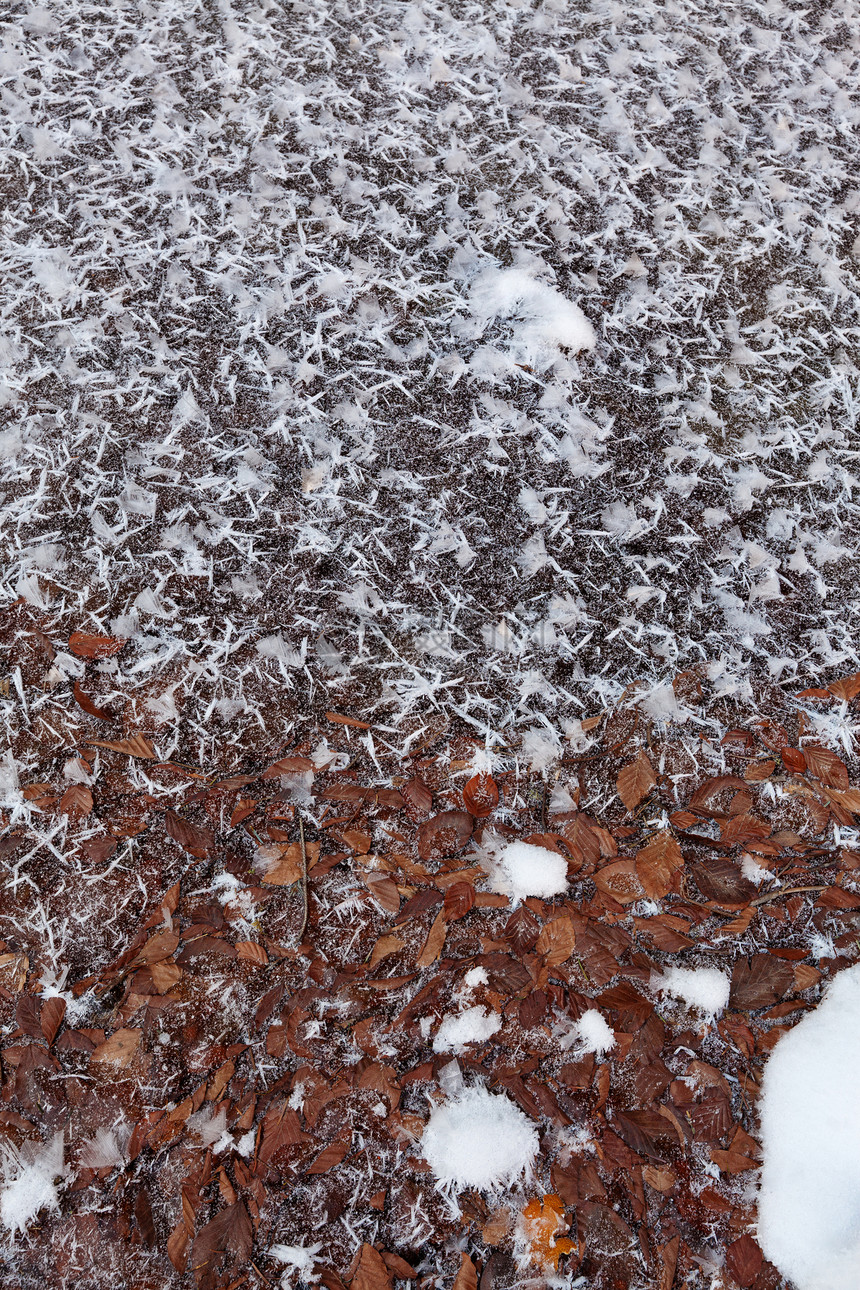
(706, 989)
(479, 1139)
(809, 1203)
(469, 1027)
(527, 870)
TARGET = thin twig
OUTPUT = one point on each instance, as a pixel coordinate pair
(304, 876)
(775, 895)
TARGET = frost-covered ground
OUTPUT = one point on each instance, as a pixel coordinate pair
(290, 390)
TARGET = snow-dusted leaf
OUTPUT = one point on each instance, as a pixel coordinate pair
(135, 746)
(760, 982)
(556, 940)
(445, 834)
(481, 795)
(459, 899)
(620, 881)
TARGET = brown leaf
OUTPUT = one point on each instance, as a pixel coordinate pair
(758, 771)
(826, 766)
(744, 1260)
(337, 719)
(280, 1131)
(288, 766)
(371, 1273)
(85, 702)
(83, 645)
(251, 952)
(331, 1155)
(481, 795)
(384, 891)
(417, 794)
(668, 1257)
(119, 1049)
(198, 842)
(635, 781)
(467, 1277)
(384, 946)
(134, 746)
(760, 982)
(620, 882)
(398, 1267)
(53, 1011)
(445, 834)
(793, 760)
(177, 1246)
(657, 863)
(77, 801)
(459, 899)
(846, 688)
(521, 930)
(434, 942)
(701, 799)
(229, 1232)
(556, 940)
(721, 881)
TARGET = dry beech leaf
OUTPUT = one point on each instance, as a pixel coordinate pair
(744, 1260)
(657, 864)
(84, 645)
(635, 781)
(760, 982)
(826, 766)
(757, 771)
(51, 1018)
(445, 834)
(417, 794)
(467, 1277)
(384, 891)
(337, 719)
(846, 688)
(371, 1273)
(434, 942)
(119, 1049)
(459, 899)
(134, 746)
(77, 801)
(86, 703)
(288, 766)
(251, 952)
(481, 795)
(556, 940)
(331, 1155)
(198, 842)
(384, 946)
(620, 882)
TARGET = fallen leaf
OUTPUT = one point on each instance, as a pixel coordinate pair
(417, 794)
(434, 942)
(846, 688)
(84, 645)
(371, 1273)
(556, 940)
(77, 801)
(759, 982)
(119, 1049)
(635, 781)
(198, 842)
(467, 1276)
(826, 766)
(481, 795)
(337, 719)
(134, 746)
(445, 834)
(459, 899)
(620, 882)
(657, 863)
(86, 703)
(331, 1155)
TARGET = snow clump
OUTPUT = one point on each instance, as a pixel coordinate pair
(594, 1033)
(809, 1202)
(544, 320)
(527, 870)
(479, 1139)
(469, 1027)
(702, 988)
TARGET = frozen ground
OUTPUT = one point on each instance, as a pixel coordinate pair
(270, 407)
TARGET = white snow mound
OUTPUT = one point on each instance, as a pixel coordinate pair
(479, 1139)
(594, 1033)
(703, 988)
(546, 321)
(466, 1028)
(809, 1203)
(527, 870)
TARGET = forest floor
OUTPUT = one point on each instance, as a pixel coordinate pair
(220, 1069)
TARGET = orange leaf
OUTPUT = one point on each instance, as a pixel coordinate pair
(557, 940)
(467, 1277)
(331, 1155)
(251, 952)
(620, 882)
(85, 702)
(847, 687)
(338, 720)
(371, 1273)
(635, 781)
(83, 645)
(435, 940)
